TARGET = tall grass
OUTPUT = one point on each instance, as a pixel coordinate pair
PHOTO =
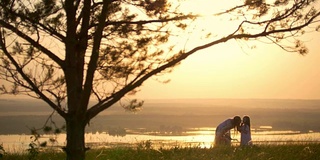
(259, 152)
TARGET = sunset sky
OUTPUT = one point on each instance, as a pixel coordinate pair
(233, 70)
(265, 72)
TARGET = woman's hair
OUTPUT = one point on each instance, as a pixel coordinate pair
(246, 120)
(236, 122)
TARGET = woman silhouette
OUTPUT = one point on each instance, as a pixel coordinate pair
(222, 136)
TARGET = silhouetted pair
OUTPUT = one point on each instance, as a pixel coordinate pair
(223, 136)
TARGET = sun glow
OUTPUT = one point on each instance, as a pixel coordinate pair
(236, 69)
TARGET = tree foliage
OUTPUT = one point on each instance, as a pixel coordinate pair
(67, 52)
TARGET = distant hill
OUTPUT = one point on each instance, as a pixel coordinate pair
(16, 116)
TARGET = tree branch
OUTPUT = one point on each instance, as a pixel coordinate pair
(93, 111)
(35, 23)
(95, 53)
(33, 43)
(33, 87)
(147, 21)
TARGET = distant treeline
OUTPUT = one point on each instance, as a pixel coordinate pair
(18, 117)
(154, 123)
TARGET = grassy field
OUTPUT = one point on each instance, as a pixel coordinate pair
(145, 151)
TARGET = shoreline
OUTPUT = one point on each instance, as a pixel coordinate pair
(20, 143)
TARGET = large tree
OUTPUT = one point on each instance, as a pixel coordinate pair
(70, 51)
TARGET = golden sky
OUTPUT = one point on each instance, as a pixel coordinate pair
(233, 70)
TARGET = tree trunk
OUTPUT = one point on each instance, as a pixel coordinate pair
(75, 148)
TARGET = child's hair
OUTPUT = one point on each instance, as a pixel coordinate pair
(246, 120)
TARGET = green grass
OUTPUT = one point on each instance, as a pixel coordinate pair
(262, 152)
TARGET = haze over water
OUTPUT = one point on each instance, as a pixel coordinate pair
(171, 120)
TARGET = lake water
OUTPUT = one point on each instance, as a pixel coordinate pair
(199, 137)
(273, 121)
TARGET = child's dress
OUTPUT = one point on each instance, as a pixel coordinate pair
(245, 135)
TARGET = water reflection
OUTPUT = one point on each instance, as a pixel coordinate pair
(200, 131)
(193, 137)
